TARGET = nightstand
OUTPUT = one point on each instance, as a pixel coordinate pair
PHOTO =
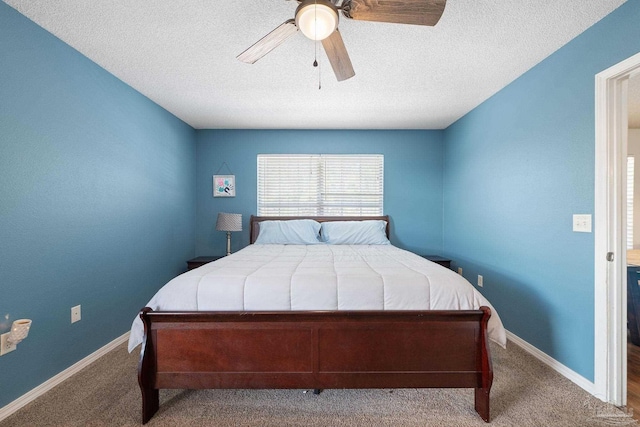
(201, 260)
(445, 262)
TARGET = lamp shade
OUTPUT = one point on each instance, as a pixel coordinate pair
(229, 222)
(317, 19)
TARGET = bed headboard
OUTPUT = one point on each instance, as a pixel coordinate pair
(254, 222)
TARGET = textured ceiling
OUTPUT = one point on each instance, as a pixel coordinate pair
(182, 56)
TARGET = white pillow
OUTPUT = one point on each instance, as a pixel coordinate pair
(292, 232)
(369, 232)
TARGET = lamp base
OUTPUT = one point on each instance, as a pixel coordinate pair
(228, 243)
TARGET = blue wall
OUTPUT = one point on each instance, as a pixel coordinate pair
(96, 202)
(516, 169)
(412, 183)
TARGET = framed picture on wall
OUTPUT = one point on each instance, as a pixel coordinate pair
(224, 186)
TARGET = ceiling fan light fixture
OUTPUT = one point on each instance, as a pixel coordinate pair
(317, 19)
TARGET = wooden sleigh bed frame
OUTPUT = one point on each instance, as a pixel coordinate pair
(314, 349)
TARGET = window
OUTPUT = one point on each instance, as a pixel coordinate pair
(630, 182)
(320, 185)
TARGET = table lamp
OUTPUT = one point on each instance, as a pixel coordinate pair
(229, 222)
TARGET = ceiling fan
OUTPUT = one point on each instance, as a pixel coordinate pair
(318, 20)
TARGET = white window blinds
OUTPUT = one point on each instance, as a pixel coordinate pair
(320, 185)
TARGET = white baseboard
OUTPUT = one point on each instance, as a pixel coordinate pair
(54, 381)
(570, 374)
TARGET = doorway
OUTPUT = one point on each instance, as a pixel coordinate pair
(610, 353)
(633, 245)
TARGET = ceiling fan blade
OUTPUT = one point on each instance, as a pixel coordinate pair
(416, 12)
(269, 42)
(338, 56)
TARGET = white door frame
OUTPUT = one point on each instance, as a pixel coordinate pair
(610, 356)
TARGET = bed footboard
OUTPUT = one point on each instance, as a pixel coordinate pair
(315, 350)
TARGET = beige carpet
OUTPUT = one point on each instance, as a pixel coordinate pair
(524, 393)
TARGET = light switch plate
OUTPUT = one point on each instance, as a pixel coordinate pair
(582, 223)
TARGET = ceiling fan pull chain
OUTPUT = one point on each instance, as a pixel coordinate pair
(319, 79)
(316, 64)
(315, 54)
(315, 27)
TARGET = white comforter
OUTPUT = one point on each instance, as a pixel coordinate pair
(319, 277)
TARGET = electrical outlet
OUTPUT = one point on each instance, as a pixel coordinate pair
(5, 345)
(76, 314)
(460, 271)
(480, 281)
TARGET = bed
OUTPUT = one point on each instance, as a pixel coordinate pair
(353, 316)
